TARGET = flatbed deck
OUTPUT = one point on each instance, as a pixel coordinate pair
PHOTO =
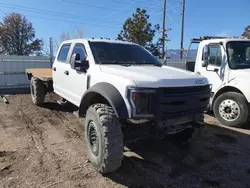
(42, 74)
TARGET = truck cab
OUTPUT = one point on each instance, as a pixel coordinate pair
(225, 62)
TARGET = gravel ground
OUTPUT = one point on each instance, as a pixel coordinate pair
(43, 147)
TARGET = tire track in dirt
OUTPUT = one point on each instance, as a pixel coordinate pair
(35, 133)
(47, 161)
(5, 158)
(67, 123)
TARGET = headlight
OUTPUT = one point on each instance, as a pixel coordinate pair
(142, 102)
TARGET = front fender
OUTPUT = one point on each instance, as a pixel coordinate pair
(241, 86)
(108, 92)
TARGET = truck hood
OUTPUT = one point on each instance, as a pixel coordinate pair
(151, 76)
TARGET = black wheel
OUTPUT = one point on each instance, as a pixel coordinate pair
(104, 138)
(37, 91)
(231, 109)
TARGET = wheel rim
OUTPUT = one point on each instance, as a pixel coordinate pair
(229, 110)
(93, 138)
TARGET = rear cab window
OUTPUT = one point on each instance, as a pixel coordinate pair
(63, 54)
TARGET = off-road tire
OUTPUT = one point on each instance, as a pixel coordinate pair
(37, 90)
(241, 120)
(109, 135)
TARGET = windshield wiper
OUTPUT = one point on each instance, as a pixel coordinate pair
(108, 62)
(151, 63)
(115, 63)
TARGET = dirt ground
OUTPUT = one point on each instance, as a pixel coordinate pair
(43, 147)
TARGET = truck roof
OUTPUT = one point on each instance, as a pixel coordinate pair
(226, 40)
(97, 40)
(216, 39)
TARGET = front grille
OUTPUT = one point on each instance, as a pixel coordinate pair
(177, 90)
(179, 101)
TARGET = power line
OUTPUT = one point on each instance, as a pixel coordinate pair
(151, 6)
(173, 9)
(171, 18)
(69, 21)
(115, 12)
(167, 9)
(155, 3)
(123, 2)
(41, 11)
(52, 13)
(89, 5)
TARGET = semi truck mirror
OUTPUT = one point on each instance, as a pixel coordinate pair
(205, 56)
(204, 63)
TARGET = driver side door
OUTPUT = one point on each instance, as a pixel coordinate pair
(214, 71)
(76, 82)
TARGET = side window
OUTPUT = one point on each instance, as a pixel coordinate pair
(63, 54)
(215, 55)
(248, 53)
(80, 49)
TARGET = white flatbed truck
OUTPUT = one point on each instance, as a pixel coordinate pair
(117, 84)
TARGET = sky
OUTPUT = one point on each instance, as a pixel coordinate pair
(104, 18)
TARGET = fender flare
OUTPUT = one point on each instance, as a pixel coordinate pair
(110, 94)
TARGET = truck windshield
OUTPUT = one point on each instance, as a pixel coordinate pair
(118, 53)
(239, 54)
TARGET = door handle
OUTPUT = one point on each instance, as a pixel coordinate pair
(198, 72)
(66, 72)
(54, 68)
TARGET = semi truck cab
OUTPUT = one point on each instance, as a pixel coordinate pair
(225, 62)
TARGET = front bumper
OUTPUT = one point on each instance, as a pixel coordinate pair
(171, 104)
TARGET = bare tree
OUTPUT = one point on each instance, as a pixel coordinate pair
(67, 36)
(79, 33)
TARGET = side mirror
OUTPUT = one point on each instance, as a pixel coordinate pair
(205, 56)
(78, 64)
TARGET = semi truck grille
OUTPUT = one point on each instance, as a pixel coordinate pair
(181, 101)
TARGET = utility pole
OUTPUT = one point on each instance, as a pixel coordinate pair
(164, 28)
(51, 52)
(182, 27)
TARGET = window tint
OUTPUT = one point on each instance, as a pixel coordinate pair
(238, 54)
(62, 57)
(215, 55)
(79, 49)
(248, 53)
(119, 53)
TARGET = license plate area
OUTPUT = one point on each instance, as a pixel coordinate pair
(175, 122)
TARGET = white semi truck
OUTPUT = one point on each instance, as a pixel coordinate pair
(117, 84)
(225, 62)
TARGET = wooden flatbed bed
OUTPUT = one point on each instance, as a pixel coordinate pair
(42, 74)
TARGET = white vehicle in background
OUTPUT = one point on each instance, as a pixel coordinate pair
(225, 62)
